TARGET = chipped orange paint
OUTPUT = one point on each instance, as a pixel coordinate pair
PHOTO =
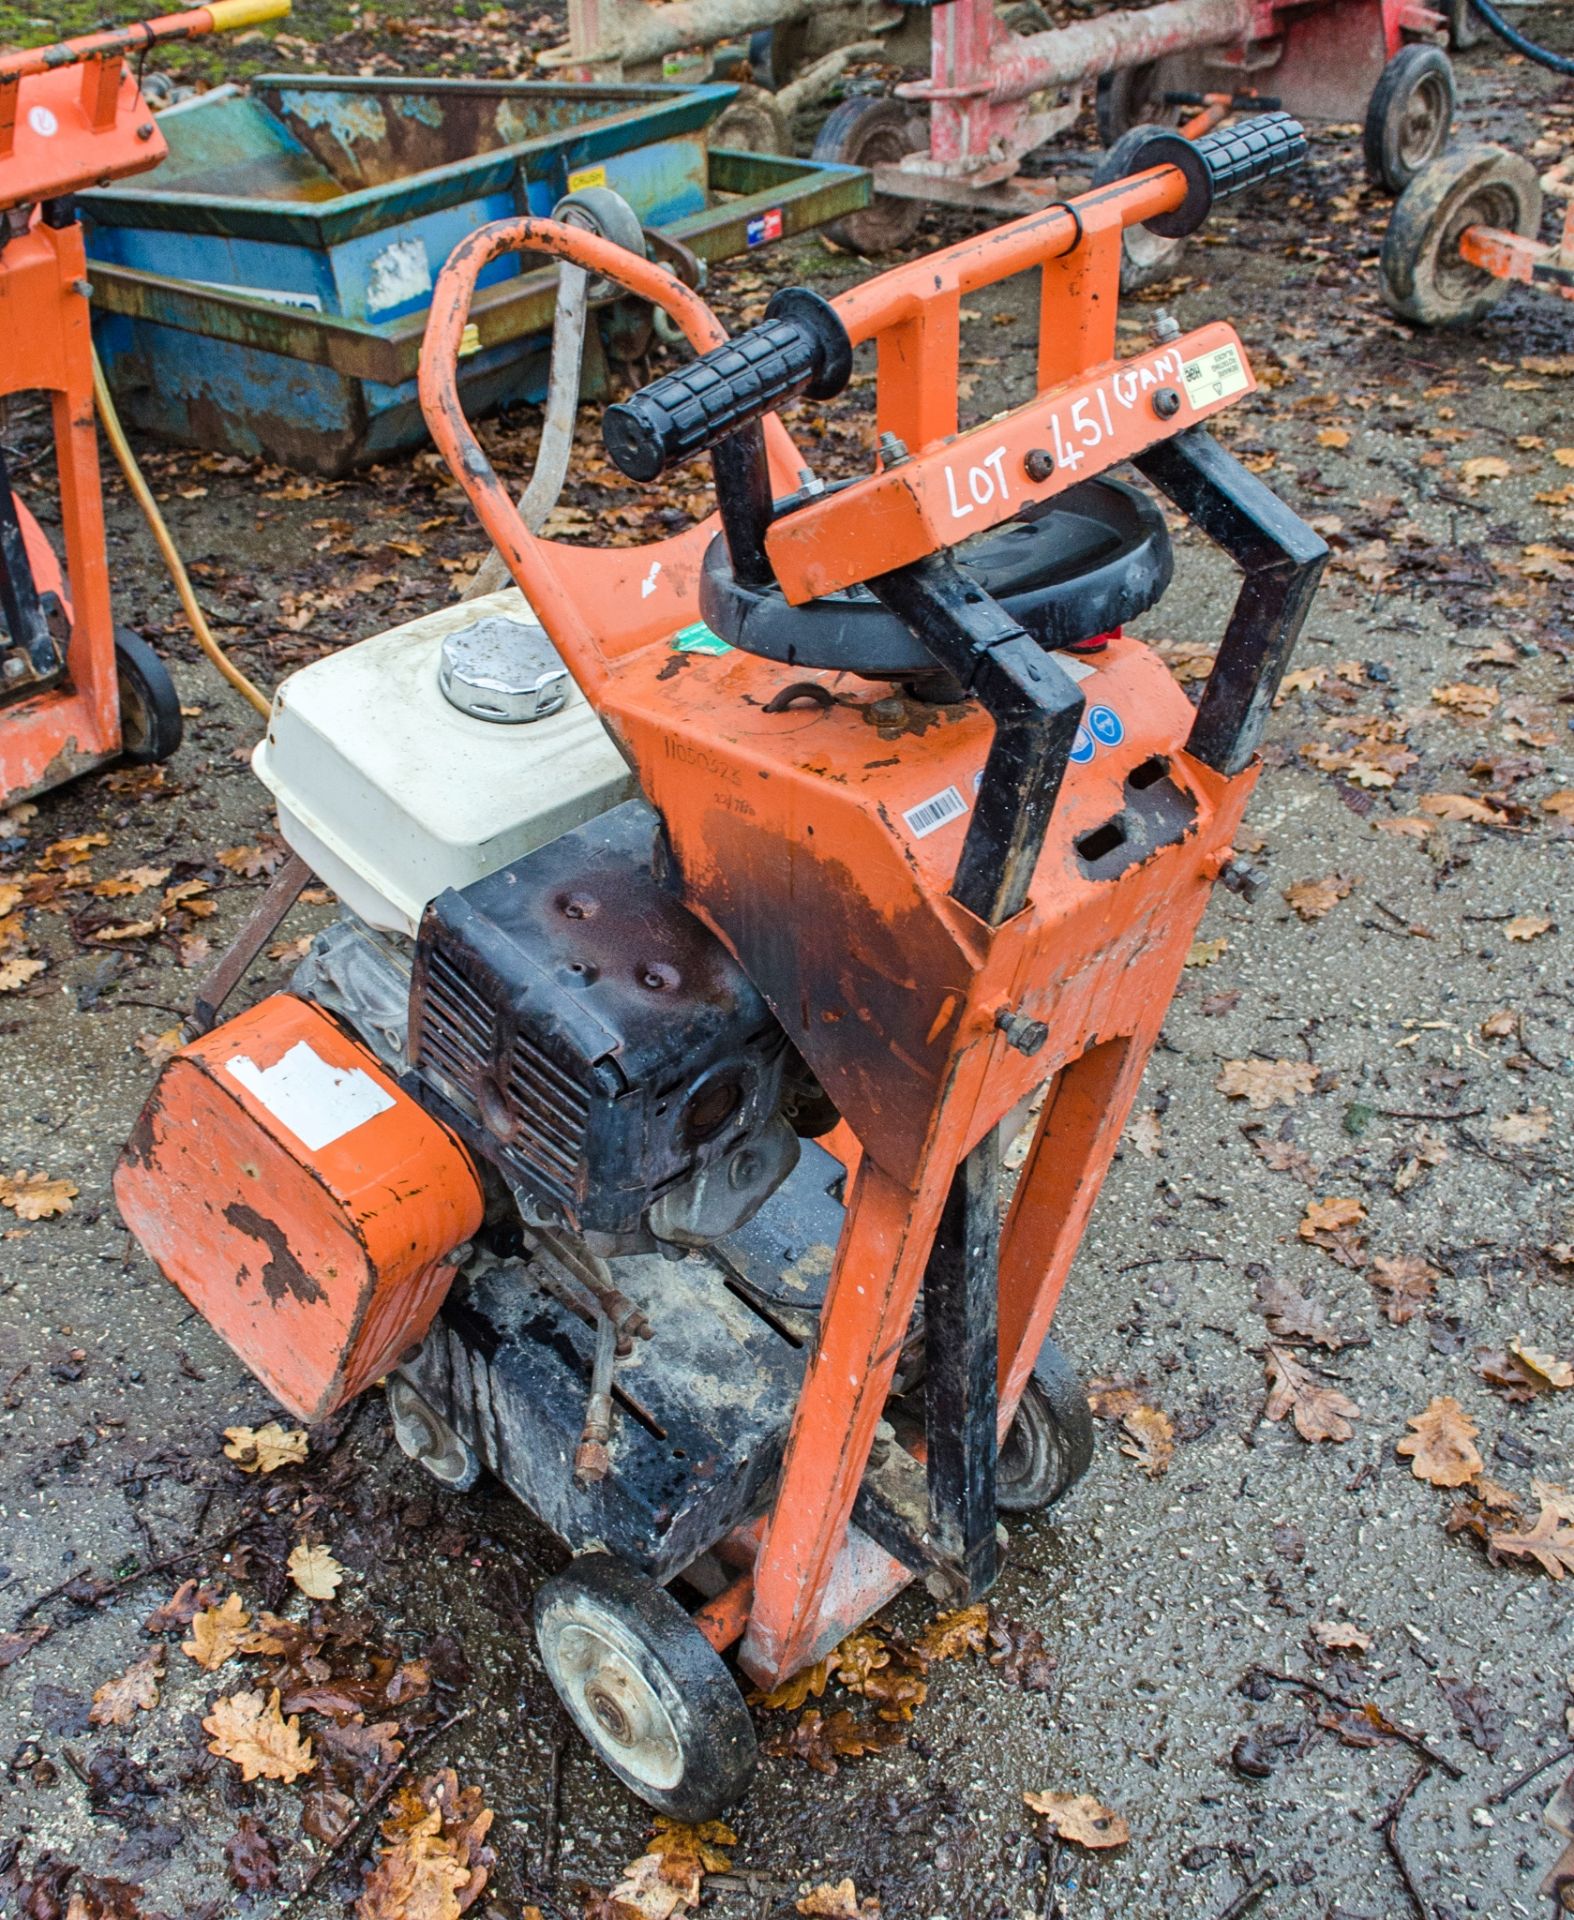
(790, 837)
(320, 1264)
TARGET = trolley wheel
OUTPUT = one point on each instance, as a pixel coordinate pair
(425, 1437)
(1146, 257)
(1424, 279)
(1050, 1445)
(1132, 97)
(1466, 28)
(150, 724)
(869, 131)
(753, 122)
(645, 1687)
(1408, 116)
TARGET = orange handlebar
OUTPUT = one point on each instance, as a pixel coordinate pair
(223, 16)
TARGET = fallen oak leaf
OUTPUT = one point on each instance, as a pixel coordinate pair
(1292, 1316)
(180, 1609)
(1079, 1818)
(1266, 1083)
(1203, 953)
(1550, 1542)
(1548, 1370)
(955, 1635)
(1338, 1636)
(1317, 1412)
(265, 1449)
(435, 1863)
(1467, 697)
(820, 1740)
(16, 972)
(1311, 899)
(1150, 1440)
(118, 1702)
(1441, 1446)
(790, 1694)
(1326, 1216)
(249, 1859)
(703, 1841)
(131, 880)
(218, 1634)
(838, 1902)
(1526, 1129)
(34, 1196)
(250, 1732)
(315, 1571)
(14, 1645)
(1462, 806)
(1404, 1284)
(1527, 926)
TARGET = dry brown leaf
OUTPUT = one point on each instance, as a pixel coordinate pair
(791, 1693)
(265, 1449)
(17, 971)
(118, 1701)
(434, 1862)
(34, 1196)
(1203, 953)
(838, 1902)
(72, 852)
(704, 1841)
(1266, 1083)
(857, 1657)
(1079, 1818)
(1485, 466)
(1145, 1131)
(129, 929)
(1408, 826)
(1499, 1025)
(1526, 1129)
(1339, 1637)
(1441, 1449)
(1547, 1368)
(1316, 1411)
(1560, 803)
(1150, 1440)
(1335, 437)
(1550, 1542)
(218, 1634)
(1461, 806)
(1527, 926)
(131, 880)
(1328, 1216)
(1311, 899)
(1404, 1284)
(1467, 697)
(249, 1731)
(315, 1571)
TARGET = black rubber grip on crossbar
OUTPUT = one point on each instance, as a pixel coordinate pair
(1228, 160)
(801, 346)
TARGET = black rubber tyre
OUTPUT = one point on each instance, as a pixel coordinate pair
(1146, 258)
(645, 1687)
(1408, 116)
(150, 724)
(1423, 278)
(867, 131)
(1050, 1445)
(1466, 28)
(1132, 97)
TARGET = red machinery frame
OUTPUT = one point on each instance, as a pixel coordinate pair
(70, 115)
(930, 991)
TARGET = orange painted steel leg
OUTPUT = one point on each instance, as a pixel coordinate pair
(868, 1305)
(723, 1619)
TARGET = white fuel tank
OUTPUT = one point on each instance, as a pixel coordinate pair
(391, 793)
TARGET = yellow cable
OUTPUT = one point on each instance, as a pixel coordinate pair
(166, 545)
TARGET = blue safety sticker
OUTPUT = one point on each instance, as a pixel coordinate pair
(1082, 746)
(1104, 723)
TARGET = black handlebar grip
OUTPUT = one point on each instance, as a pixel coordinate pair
(1226, 161)
(801, 346)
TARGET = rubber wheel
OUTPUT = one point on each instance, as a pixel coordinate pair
(871, 131)
(1424, 280)
(1146, 258)
(1466, 28)
(1408, 116)
(150, 724)
(752, 123)
(1132, 97)
(1050, 1445)
(425, 1437)
(645, 1687)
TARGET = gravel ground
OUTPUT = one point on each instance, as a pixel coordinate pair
(1158, 1597)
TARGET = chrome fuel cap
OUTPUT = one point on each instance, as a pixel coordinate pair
(503, 670)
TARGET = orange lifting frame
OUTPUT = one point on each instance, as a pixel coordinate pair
(888, 986)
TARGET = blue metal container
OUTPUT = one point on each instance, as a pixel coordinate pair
(265, 288)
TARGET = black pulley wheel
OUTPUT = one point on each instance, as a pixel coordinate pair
(1408, 116)
(1094, 558)
(1466, 28)
(150, 723)
(1146, 258)
(872, 131)
(645, 1687)
(1424, 278)
(1050, 1444)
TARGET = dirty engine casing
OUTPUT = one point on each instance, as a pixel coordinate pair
(581, 1030)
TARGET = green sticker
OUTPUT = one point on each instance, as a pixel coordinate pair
(699, 639)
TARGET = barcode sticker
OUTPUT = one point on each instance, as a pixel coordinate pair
(1215, 375)
(933, 813)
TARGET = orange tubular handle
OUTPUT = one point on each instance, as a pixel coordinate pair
(222, 16)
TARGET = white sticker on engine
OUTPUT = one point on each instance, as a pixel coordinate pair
(932, 814)
(318, 1102)
(1215, 375)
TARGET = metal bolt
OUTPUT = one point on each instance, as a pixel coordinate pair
(145, 131)
(892, 451)
(1040, 464)
(1166, 403)
(83, 287)
(807, 482)
(15, 667)
(1027, 1036)
(1241, 877)
(882, 1443)
(1165, 327)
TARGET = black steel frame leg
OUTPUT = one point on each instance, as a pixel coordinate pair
(1282, 559)
(961, 1342)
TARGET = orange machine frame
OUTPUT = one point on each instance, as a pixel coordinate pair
(787, 835)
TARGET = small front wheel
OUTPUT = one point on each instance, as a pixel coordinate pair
(151, 727)
(1408, 116)
(1133, 97)
(645, 1687)
(872, 131)
(1050, 1445)
(1425, 279)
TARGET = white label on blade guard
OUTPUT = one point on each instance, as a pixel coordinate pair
(1215, 375)
(319, 1103)
(931, 814)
